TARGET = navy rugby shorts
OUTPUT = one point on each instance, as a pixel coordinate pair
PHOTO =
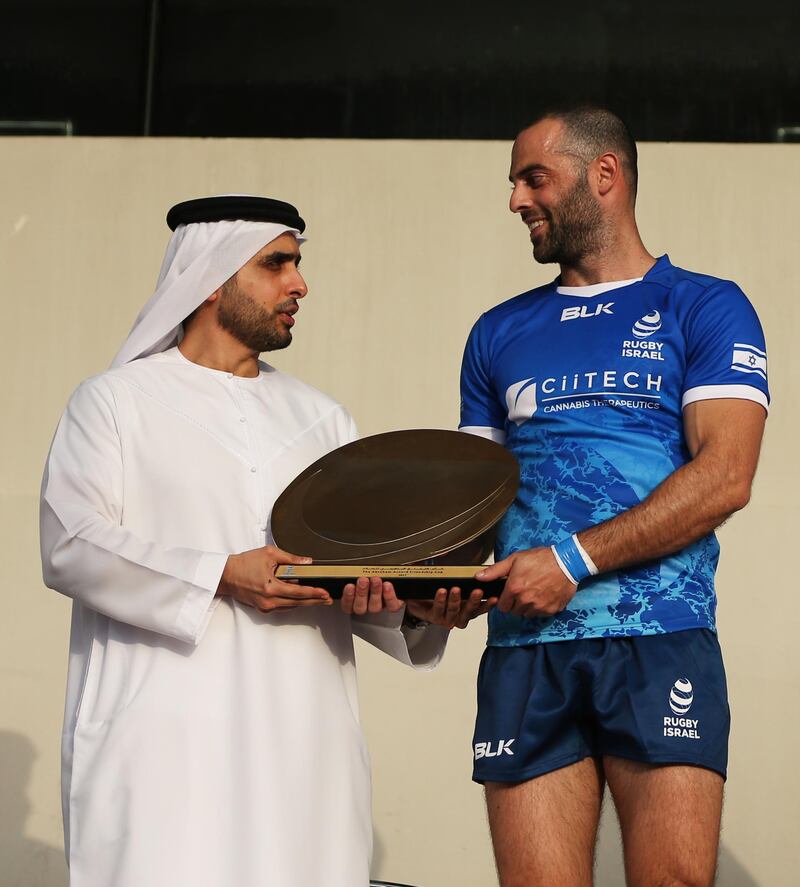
(659, 699)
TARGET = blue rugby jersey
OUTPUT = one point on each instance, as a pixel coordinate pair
(587, 392)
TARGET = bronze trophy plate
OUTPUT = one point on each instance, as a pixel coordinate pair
(425, 501)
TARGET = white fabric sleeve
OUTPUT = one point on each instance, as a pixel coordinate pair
(89, 556)
(421, 648)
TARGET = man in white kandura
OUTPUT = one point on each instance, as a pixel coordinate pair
(211, 733)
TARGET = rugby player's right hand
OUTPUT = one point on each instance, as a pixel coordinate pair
(536, 585)
(249, 578)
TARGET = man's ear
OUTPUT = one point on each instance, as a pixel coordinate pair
(205, 303)
(608, 170)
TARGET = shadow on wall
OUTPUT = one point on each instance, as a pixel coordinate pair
(26, 862)
(378, 853)
(731, 873)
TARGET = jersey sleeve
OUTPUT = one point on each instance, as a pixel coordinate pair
(726, 355)
(481, 412)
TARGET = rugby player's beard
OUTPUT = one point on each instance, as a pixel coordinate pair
(575, 228)
(252, 324)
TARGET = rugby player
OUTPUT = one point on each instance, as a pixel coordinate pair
(634, 395)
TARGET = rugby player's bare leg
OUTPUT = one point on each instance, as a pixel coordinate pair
(544, 829)
(670, 819)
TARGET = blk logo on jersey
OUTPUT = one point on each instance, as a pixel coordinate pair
(487, 750)
(681, 697)
(577, 311)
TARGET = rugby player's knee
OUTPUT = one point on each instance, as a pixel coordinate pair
(672, 876)
(681, 881)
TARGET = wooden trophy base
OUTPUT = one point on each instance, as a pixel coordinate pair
(414, 581)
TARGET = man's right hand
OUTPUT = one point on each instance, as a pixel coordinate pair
(249, 578)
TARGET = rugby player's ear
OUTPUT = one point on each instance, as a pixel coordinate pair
(608, 171)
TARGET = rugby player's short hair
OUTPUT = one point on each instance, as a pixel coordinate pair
(590, 131)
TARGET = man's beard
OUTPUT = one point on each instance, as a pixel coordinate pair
(576, 230)
(253, 325)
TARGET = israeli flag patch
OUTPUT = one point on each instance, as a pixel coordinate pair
(749, 359)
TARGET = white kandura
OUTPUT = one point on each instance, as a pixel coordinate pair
(205, 743)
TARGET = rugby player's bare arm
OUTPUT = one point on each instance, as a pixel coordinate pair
(724, 439)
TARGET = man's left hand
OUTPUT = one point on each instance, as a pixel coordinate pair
(370, 595)
(535, 586)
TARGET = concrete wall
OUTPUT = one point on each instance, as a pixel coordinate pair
(409, 242)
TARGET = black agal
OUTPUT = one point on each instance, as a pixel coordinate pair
(232, 207)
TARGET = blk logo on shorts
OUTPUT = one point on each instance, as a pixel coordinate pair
(484, 749)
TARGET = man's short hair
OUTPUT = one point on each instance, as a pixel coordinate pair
(590, 131)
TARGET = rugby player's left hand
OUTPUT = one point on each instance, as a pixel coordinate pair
(536, 585)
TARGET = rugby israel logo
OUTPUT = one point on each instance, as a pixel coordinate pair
(649, 324)
(681, 697)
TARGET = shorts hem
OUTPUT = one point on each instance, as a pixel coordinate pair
(659, 760)
(532, 772)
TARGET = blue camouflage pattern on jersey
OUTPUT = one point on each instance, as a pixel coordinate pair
(586, 454)
(669, 595)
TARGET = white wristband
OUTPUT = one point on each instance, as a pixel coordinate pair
(563, 566)
(590, 565)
